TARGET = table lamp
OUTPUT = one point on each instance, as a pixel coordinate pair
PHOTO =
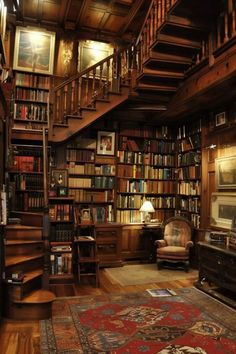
(147, 208)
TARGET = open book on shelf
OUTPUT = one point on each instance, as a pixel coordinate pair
(161, 292)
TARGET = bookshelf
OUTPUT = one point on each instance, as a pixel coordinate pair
(26, 178)
(91, 181)
(31, 101)
(145, 170)
(61, 216)
(189, 172)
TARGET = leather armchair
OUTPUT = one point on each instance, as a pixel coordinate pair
(176, 242)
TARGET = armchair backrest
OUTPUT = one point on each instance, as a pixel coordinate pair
(177, 231)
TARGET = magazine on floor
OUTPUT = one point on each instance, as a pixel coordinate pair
(161, 292)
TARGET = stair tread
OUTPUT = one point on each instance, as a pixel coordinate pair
(184, 22)
(14, 260)
(28, 276)
(176, 41)
(170, 58)
(22, 227)
(162, 73)
(22, 242)
(156, 87)
(37, 297)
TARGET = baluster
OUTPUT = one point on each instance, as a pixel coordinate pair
(218, 33)
(163, 11)
(233, 19)
(64, 104)
(148, 33)
(86, 89)
(94, 93)
(108, 78)
(159, 14)
(151, 26)
(226, 31)
(155, 20)
(73, 96)
(80, 80)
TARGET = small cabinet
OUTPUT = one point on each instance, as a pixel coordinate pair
(217, 264)
(134, 245)
(109, 244)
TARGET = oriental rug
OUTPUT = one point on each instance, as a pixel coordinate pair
(136, 274)
(189, 322)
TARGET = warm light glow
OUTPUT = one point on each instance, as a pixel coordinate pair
(147, 207)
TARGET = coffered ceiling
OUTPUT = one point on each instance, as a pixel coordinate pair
(114, 20)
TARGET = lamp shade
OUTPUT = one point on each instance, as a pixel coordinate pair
(147, 207)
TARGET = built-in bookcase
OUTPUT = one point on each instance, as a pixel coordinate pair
(189, 172)
(26, 178)
(91, 181)
(31, 101)
(61, 216)
(145, 170)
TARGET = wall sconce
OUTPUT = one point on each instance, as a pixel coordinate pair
(147, 208)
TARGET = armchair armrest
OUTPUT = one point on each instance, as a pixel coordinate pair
(188, 245)
(160, 243)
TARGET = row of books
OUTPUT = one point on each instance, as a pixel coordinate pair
(61, 233)
(90, 169)
(194, 218)
(80, 155)
(61, 212)
(190, 204)
(134, 216)
(102, 214)
(85, 196)
(32, 95)
(189, 172)
(142, 186)
(25, 181)
(191, 157)
(145, 158)
(61, 263)
(33, 111)
(92, 182)
(189, 188)
(29, 201)
(147, 172)
(146, 132)
(189, 130)
(28, 163)
(32, 80)
(135, 202)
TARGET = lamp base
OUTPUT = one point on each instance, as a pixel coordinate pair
(147, 218)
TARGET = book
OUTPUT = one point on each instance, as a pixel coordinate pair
(161, 292)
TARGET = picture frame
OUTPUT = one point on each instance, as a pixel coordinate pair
(226, 172)
(91, 52)
(85, 215)
(220, 119)
(34, 50)
(59, 178)
(62, 191)
(223, 209)
(105, 143)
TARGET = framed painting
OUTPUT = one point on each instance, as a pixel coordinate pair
(59, 178)
(223, 209)
(105, 143)
(91, 52)
(226, 172)
(34, 50)
(220, 119)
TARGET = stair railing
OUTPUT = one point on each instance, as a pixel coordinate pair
(95, 82)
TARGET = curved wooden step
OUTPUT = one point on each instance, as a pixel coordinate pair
(36, 306)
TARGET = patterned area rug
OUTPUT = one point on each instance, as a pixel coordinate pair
(135, 274)
(190, 322)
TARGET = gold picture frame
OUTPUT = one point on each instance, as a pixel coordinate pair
(91, 52)
(223, 209)
(106, 143)
(59, 178)
(34, 50)
(226, 172)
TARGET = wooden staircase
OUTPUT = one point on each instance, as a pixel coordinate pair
(24, 253)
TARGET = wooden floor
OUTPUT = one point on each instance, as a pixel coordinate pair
(17, 337)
